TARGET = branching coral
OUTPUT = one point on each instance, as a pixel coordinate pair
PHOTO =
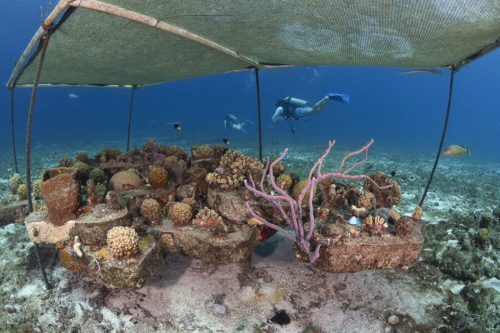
(233, 168)
(207, 218)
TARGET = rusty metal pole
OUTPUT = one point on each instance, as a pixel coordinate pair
(34, 90)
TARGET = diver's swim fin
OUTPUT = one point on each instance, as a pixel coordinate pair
(339, 97)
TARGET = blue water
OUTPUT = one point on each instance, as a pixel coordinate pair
(402, 112)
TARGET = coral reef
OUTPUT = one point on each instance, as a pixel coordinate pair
(180, 213)
(123, 242)
(150, 209)
(207, 218)
(125, 180)
(157, 176)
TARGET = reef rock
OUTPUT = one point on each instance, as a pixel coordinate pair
(353, 252)
(235, 246)
(231, 205)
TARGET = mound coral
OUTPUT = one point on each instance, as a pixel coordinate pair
(107, 154)
(22, 191)
(207, 218)
(298, 188)
(37, 188)
(14, 182)
(180, 213)
(150, 209)
(82, 171)
(191, 202)
(123, 242)
(124, 180)
(375, 225)
(157, 176)
(404, 227)
(97, 175)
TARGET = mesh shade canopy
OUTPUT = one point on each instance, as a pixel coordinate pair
(95, 48)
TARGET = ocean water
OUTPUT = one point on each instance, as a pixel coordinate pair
(403, 113)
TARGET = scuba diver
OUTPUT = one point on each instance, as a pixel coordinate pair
(290, 108)
(231, 121)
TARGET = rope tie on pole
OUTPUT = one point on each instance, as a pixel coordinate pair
(443, 135)
(43, 50)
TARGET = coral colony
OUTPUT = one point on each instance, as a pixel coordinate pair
(114, 216)
(294, 217)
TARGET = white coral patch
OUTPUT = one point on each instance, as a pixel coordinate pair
(307, 38)
(467, 10)
(373, 41)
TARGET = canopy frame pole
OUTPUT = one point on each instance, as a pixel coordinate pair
(162, 25)
(18, 69)
(453, 69)
(12, 130)
(38, 72)
(259, 112)
(130, 108)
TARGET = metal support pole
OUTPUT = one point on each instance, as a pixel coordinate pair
(443, 135)
(259, 113)
(41, 57)
(130, 108)
(14, 154)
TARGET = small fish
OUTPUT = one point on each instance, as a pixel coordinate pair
(421, 71)
(456, 150)
(177, 127)
(72, 95)
(226, 141)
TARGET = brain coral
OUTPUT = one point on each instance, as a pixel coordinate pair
(150, 209)
(124, 180)
(157, 176)
(298, 188)
(123, 242)
(180, 213)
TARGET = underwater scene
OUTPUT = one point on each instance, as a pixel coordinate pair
(162, 209)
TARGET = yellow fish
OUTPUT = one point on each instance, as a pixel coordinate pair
(456, 150)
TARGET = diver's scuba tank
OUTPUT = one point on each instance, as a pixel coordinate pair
(296, 101)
